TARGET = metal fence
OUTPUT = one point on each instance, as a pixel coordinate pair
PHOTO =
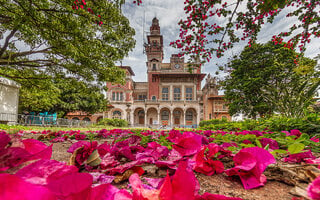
(40, 120)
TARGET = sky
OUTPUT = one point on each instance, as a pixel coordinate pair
(169, 12)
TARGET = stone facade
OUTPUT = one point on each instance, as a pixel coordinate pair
(171, 96)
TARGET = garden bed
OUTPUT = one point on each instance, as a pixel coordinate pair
(283, 177)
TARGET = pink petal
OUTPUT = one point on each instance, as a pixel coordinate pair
(4, 140)
(139, 193)
(15, 188)
(75, 186)
(183, 183)
(166, 189)
(39, 171)
(104, 192)
(38, 149)
(314, 189)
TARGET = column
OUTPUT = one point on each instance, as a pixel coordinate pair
(184, 117)
(171, 118)
(171, 93)
(194, 93)
(159, 118)
(132, 117)
(182, 93)
(145, 118)
(198, 117)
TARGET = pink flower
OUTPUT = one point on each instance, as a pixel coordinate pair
(204, 162)
(295, 132)
(250, 163)
(273, 144)
(299, 157)
(314, 189)
(188, 144)
(315, 139)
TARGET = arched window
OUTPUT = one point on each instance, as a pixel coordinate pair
(141, 113)
(165, 115)
(189, 115)
(87, 119)
(153, 98)
(176, 113)
(116, 115)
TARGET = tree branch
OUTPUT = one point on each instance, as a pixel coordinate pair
(25, 53)
(6, 43)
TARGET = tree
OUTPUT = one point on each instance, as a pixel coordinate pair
(60, 96)
(265, 79)
(49, 39)
(214, 26)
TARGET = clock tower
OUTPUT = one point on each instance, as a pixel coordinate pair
(154, 51)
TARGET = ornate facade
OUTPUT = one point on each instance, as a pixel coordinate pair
(171, 96)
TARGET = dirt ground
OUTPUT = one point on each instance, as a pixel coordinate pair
(216, 184)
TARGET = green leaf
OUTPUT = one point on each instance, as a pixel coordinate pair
(258, 143)
(303, 137)
(296, 148)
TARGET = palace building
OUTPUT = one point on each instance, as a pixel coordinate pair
(171, 96)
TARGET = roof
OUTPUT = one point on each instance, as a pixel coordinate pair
(128, 68)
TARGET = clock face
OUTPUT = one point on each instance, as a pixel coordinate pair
(177, 66)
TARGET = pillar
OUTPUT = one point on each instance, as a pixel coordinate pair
(171, 117)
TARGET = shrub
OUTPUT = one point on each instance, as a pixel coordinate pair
(113, 122)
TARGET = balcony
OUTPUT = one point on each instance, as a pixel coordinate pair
(158, 101)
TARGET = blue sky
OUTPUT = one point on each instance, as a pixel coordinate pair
(169, 12)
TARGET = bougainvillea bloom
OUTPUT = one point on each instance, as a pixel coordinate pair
(273, 144)
(188, 144)
(299, 157)
(204, 162)
(85, 152)
(314, 189)
(250, 163)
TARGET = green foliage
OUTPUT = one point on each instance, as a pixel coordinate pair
(56, 42)
(212, 121)
(296, 148)
(113, 122)
(309, 124)
(265, 79)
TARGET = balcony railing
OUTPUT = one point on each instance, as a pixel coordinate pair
(167, 101)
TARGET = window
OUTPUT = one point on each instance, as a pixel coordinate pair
(116, 115)
(224, 107)
(189, 115)
(153, 98)
(210, 116)
(154, 67)
(176, 94)
(189, 94)
(117, 96)
(165, 94)
(154, 79)
(165, 115)
(142, 97)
